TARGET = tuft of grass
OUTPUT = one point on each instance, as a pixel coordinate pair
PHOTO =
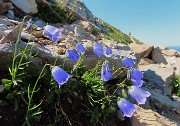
(115, 34)
(55, 13)
(176, 85)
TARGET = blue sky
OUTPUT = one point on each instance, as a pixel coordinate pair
(151, 21)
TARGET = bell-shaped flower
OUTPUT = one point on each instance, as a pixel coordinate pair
(80, 48)
(136, 74)
(126, 107)
(74, 56)
(105, 72)
(108, 51)
(98, 49)
(137, 83)
(138, 94)
(29, 25)
(128, 62)
(60, 75)
(52, 32)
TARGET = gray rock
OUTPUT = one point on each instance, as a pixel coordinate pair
(147, 117)
(144, 50)
(159, 55)
(28, 37)
(164, 105)
(12, 34)
(5, 22)
(80, 9)
(161, 77)
(10, 14)
(40, 23)
(27, 6)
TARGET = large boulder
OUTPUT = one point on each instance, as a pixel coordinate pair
(146, 61)
(148, 117)
(144, 50)
(160, 77)
(160, 54)
(80, 9)
(27, 6)
(165, 105)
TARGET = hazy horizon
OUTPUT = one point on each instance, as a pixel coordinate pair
(154, 22)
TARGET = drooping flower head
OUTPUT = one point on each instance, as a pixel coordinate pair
(52, 32)
(98, 49)
(128, 62)
(138, 94)
(80, 48)
(60, 75)
(126, 107)
(73, 56)
(108, 51)
(137, 83)
(105, 72)
(136, 74)
(29, 25)
(136, 77)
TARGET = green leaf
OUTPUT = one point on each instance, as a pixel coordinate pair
(16, 105)
(10, 96)
(37, 113)
(124, 93)
(29, 92)
(103, 106)
(6, 81)
(35, 106)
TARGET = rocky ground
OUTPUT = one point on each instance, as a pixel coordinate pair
(158, 63)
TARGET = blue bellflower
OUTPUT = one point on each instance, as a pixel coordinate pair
(98, 49)
(108, 51)
(29, 25)
(60, 75)
(136, 77)
(138, 94)
(105, 72)
(136, 74)
(80, 48)
(128, 62)
(137, 83)
(126, 107)
(73, 56)
(52, 32)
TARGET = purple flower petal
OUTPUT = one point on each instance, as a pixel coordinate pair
(137, 83)
(128, 62)
(98, 49)
(139, 94)
(105, 72)
(129, 75)
(80, 48)
(29, 25)
(60, 75)
(136, 74)
(73, 55)
(52, 32)
(126, 107)
(108, 51)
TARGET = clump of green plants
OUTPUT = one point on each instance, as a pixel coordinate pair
(176, 85)
(55, 13)
(113, 33)
(57, 95)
